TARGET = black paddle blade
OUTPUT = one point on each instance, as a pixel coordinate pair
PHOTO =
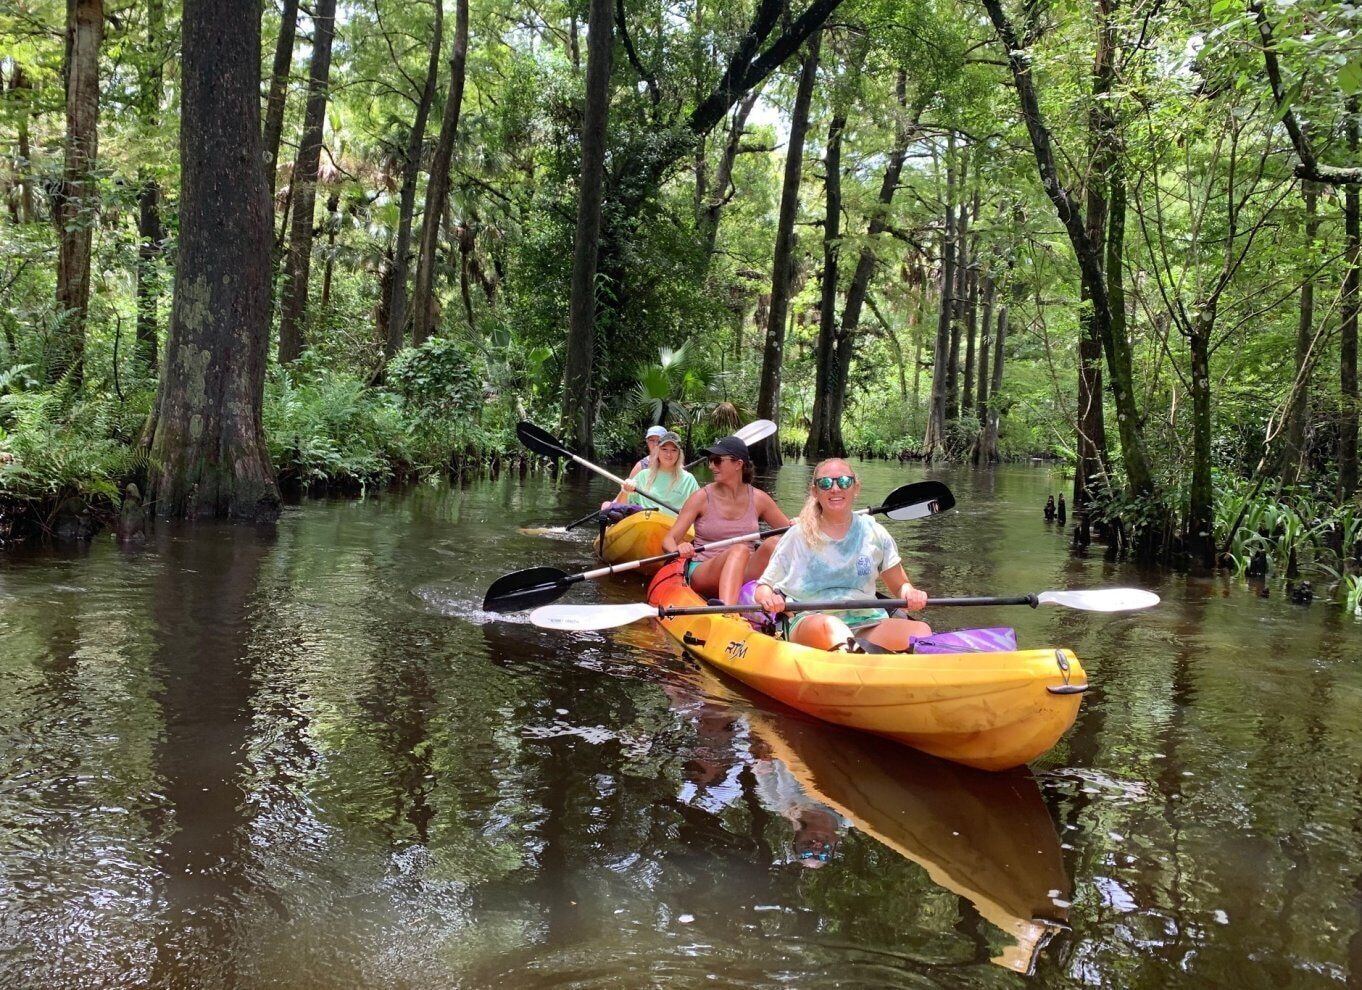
(529, 588)
(539, 441)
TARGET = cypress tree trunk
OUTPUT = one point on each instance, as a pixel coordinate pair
(411, 171)
(1200, 536)
(985, 343)
(1347, 463)
(150, 233)
(710, 205)
(1293, 446)
(19, 82)
(990, 445)
(278, 96)
(971, 329)
(304, 186)
(437, 189)
(767, 452)
(1089, 256)
(332, 228)
(76, 206)
(866, 264)
(208, 453)
(933, 440)
(962, 262)
(578, 401)
(820, 443)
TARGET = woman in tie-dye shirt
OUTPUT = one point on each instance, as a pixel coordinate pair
(833, 552)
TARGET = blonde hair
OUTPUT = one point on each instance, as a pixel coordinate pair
(654, 469)
(812, 512)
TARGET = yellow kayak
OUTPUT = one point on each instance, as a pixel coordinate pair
(635, 537)
(993, 711)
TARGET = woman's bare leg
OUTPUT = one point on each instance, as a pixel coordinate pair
(704, 580)
(822, 632)
(735, 568)
(895, 634)
(756, 563)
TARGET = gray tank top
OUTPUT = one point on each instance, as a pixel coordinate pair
(711, 527)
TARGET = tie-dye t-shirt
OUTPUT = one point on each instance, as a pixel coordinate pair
(845, 568)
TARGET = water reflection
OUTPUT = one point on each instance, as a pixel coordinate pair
(309, 759)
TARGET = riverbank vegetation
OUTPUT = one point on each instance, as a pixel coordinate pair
(353, 243)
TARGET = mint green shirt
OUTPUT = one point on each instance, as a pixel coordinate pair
(672, 490)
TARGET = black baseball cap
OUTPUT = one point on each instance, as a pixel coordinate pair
(729, 447)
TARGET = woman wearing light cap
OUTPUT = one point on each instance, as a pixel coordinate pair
(729, 506)
(652, 438)
(667, 480)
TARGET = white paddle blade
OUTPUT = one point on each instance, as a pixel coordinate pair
(583, 618)
(917, 510)
(1101, 599)
(758, 429)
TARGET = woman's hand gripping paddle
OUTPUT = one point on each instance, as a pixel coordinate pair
(538, 586)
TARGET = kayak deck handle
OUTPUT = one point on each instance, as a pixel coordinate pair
(1067, 688)
(689, 639)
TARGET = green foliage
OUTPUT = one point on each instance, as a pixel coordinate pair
(439, 378)
(324, 426)
(53, 446)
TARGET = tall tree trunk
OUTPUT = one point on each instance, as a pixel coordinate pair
(1347, 464)
(437, 189)
(933, 443)
(298, 270)
(332, 228)
(866, 264)
(1091, 415)
(985, 344)
(971, 331)
(767, 452)
(278, 96)
(1200, 536)
(958, 293)
(207, 443)
(151, 244)
(411, 170)
(150, 233)
(989, 454)
(711, 206)
(77, 206)
(578, 401)
(820, 442)
(1293, 446)
(1139, 474)
(19, 83)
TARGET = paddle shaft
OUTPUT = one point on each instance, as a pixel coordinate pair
(846, 604)
(662, 558)
(613, 477)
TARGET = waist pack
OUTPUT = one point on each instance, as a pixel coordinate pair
(997, 640)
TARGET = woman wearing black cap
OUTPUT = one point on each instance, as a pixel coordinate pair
(727, 507)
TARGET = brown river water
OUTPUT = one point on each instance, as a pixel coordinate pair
(305, 758)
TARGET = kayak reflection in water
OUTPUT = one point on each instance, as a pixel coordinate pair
(834, 553)
(725, 747)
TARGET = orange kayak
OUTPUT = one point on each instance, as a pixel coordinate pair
(635, 537)
(988, 710)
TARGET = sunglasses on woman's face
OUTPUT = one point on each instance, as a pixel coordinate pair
(716, 459)
(843, 481)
